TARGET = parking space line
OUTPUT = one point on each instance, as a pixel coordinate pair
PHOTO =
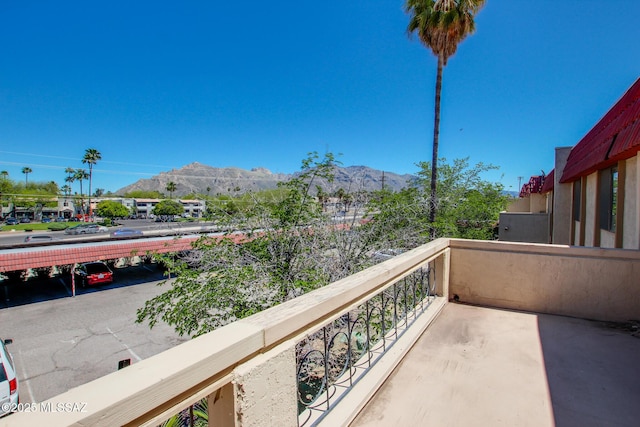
(24, 376)
(125, 346)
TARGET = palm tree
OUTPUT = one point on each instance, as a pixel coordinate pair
(66, 190)
(440, 25)
(4, 174)
(71, 178)
(80, 175)
(91, 157)
(26, 171)
(171, 187)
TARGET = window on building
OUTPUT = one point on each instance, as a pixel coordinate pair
(577, 203)
(608, 203)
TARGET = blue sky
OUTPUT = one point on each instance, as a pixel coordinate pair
(156, 85)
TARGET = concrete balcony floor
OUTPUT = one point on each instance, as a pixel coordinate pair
(480, 366)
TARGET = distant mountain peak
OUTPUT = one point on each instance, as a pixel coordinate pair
(199, 178)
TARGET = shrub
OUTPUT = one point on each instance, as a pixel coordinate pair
(57, 226)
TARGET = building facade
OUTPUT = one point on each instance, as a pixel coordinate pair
(592, 197)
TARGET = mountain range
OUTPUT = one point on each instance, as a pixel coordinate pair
(202, 179)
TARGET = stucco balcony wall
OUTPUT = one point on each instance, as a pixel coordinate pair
(591, 283)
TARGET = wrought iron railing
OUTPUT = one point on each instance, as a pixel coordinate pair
(331, 360)
(196, 415)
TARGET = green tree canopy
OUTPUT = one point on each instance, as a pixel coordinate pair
(469, 206)
(91, 157)
(26, 171)
(143, 194)
(168, 208)
(291, 246)
(171, 187)
(111, 209)
(221, 281)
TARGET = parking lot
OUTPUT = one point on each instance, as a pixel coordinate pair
(60, 342)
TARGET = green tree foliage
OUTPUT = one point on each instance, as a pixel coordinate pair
(80, 175)
(28, 196)
(168, 208)
(290, 246)
(26, 171)
(288, 250)
(91, 157)
(171, 187)
(112, 209)
(142, 194)
(5, 183)
(468, 205)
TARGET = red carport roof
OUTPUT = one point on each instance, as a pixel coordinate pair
(47, 256)
(615, 137)
(548, 182)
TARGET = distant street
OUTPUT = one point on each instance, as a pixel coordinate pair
(61, 342)
(150, 228)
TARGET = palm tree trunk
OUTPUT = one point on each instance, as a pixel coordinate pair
(434, 157)
(90, 176)
(81, 200)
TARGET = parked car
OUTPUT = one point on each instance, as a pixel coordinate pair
(126, 232)
(8, 380)
(60, 219)
(93, 273)
(25, 220)
(86, 229)
(33, 238)
(11, 221)
(77, 229)
(46, 220)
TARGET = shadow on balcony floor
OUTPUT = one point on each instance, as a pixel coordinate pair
(481, 366)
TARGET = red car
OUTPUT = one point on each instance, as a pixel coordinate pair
(93, 273)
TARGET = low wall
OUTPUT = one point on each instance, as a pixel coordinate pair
(592, 283)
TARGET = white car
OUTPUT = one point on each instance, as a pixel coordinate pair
(8, 380)
(86, 229)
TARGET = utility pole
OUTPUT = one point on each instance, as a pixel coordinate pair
(382, 180)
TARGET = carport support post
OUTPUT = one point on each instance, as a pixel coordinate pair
(73, 280)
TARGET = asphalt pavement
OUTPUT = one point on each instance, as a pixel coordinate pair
(61, 342)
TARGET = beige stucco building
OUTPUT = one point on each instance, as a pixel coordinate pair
(592, 196)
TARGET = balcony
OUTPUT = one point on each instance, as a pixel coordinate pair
(455, 332)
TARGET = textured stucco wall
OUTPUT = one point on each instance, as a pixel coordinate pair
(520, 204)
(538, 203)
(591, 207)
(266, 389)
(562, 198)
(591, 283)
(631, 234)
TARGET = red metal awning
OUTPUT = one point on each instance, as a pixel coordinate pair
(548, 182)
(615, 137)
(47, 256)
